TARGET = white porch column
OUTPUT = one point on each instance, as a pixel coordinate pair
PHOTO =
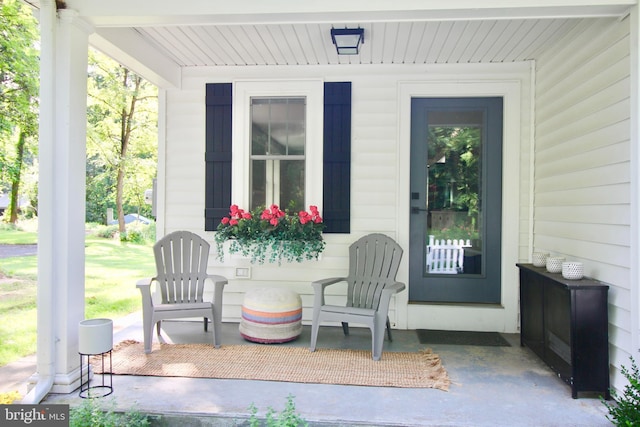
(61, 200)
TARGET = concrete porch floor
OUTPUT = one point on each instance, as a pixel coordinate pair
(491, 386)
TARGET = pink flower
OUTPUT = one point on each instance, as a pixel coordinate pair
(304, 217)
(246, 215)
(273, 221)
(225, 220)
(233, 221)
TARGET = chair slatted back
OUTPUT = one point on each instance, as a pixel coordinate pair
(181, 263)
(373, 264)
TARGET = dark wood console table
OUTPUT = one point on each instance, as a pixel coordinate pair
(565, 322)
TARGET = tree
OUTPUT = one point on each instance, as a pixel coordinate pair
(121, 139)
(19, 78)
(454, 166)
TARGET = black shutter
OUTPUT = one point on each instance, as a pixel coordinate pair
(218, 152)
(337, 157)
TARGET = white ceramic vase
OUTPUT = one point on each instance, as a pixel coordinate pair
(554, 264)
(540, 259)
(572, 270)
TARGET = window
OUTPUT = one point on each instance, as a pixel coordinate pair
(327, 150)
(277, 143)
(278, 137)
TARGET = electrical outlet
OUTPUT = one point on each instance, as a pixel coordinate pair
(243, 272)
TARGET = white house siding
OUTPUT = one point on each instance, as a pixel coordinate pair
(379, 199)
(582, 168)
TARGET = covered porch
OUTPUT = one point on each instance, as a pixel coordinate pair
(490, 386)
(527, 55)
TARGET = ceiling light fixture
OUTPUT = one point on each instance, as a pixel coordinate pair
(347, 40)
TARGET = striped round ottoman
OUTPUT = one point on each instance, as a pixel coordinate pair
(271, 315)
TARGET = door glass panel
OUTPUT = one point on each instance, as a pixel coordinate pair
(454, 192)
(456, 200)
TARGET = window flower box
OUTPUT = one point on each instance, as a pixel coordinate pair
(271, 235)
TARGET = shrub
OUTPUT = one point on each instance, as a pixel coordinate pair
(136, 232)
(89, 414)
(132, 236)
(139, 233)
(7, 226)
(625, 411)
(105, 231)
(287, 418)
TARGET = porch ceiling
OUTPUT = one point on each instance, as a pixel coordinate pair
(384, 42)
(158, 38)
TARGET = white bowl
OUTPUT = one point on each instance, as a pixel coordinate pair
(554, 264)
(540, 259)
(572, 270)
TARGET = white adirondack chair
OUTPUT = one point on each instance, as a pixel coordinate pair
(181, 263)
(373, 264)
(446, 257)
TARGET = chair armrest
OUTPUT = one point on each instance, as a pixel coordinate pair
(218, 280)
(145, 289)
(218, 286)
(320, 285)
(142, 283)
(323, 283)
(147, 301)
(394, 289)
(387, 293)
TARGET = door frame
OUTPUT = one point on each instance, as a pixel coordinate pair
(516, 91)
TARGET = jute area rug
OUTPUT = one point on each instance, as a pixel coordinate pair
(276, 363)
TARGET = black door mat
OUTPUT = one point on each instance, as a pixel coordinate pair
(487, 339)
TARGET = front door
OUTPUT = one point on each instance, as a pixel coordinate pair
(456, 200)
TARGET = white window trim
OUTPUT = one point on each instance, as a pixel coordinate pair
(243, 91)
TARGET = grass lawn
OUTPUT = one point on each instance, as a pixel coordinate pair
(111, 271)
(13, 236)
